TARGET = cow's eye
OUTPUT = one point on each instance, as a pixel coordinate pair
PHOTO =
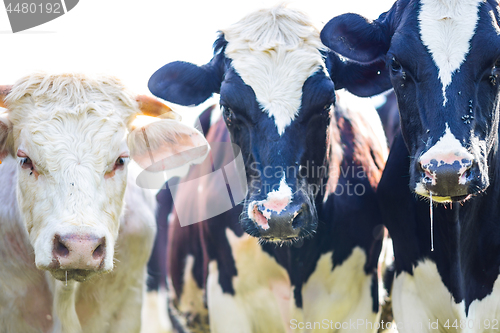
(325, 111)
(26, 163)
(395, 65)
(120, 162)
(228, 114)
(496, 67)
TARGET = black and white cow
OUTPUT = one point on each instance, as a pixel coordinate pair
(443, 58)
(389, 115)
(277, 97)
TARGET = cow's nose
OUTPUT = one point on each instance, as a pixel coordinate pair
(447, 176)
(285, 224)
(76, 251)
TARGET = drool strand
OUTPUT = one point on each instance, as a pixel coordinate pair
(431, 212)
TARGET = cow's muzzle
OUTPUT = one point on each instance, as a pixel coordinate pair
(76, 256)
(271, 222)
(447, 181)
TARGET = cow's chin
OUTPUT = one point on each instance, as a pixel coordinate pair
(280, 241)
(441, 199)
(80, 275)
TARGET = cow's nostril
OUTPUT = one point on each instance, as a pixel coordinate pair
(79, 251)
(60, 248)
(468, 173)
(428, 177)
(99, 251)
(297, 222)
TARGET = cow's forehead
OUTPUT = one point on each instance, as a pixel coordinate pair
(86, 141)
(42, 97)
(446, 29)
(70, 119)
(275, 51)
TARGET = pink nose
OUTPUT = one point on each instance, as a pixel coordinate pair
(75, 251)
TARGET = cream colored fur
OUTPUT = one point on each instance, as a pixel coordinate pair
(422, 303)
(275, 51)
(73, 128)
(171, 145)
(108, 303)
(264, 301)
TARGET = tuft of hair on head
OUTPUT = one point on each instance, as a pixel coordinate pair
(71, 93)
(275, 51)
(265, 29)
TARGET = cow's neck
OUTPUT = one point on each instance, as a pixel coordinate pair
(470, 234)
(66, 318)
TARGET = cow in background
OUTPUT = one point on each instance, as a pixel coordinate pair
(389, 116)
(70, 212)
(276, 96)
(443, 59)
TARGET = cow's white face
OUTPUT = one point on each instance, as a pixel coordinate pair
(72, 179)
(71, 145)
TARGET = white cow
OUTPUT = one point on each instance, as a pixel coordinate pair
(68, 210)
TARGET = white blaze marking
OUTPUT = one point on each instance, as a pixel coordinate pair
(446, 28)
(275, 51)
(276, 201)
(447, 150)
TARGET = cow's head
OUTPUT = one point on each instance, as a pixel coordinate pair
(69, 134)
(444, 60)
(276, 96)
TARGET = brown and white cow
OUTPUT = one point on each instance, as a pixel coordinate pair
(69, 211)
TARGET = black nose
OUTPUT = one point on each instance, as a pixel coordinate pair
(295, 221)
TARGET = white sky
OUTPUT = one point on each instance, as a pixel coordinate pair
(132, 39)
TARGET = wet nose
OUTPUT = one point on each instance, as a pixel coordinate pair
(74, 251)
(285, 224)
(446, 171)
(449, 174)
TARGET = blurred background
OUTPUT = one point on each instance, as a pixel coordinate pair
(132, 39)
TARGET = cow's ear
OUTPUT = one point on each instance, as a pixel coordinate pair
(357, 38)
(5, 130)
(187, 84)
(363, 45)
(361, 79)
(164, 144)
